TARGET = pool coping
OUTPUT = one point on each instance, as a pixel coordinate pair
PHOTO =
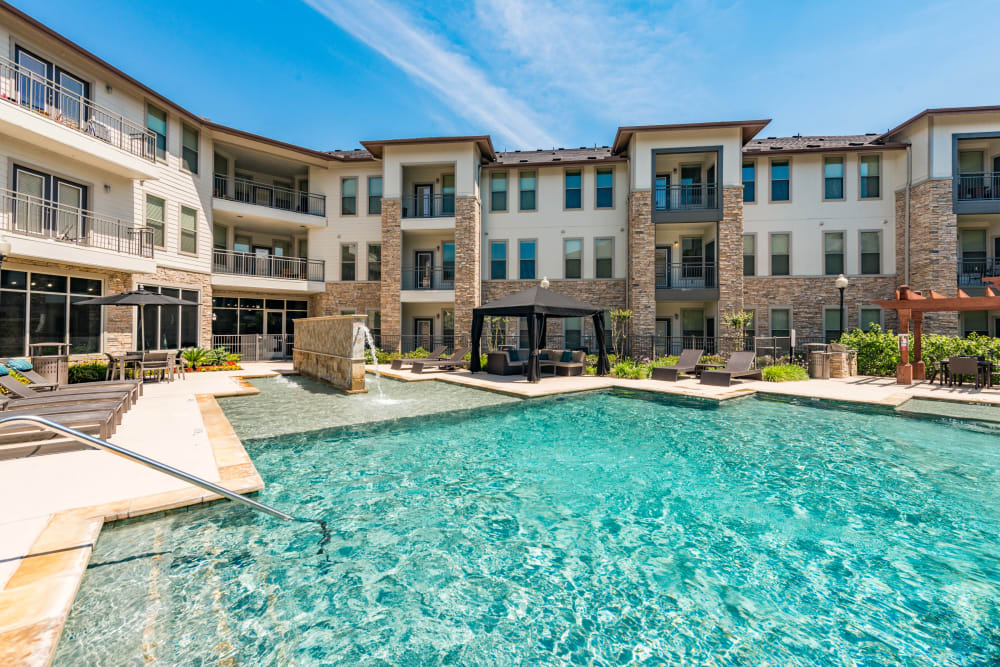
(36, 601)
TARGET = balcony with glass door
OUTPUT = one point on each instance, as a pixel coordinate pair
(686, 186)
(428, 200)
(976, 185)
(686, 270)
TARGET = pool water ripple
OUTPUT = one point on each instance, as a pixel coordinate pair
(603, 529)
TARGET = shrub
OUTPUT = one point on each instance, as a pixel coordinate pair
(626, 368)
(785, 373)
(195, 356)
(89, 372)
(878, 351)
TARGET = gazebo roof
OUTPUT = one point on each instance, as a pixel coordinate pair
(538, 301)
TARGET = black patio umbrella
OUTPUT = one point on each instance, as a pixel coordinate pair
(139, 298)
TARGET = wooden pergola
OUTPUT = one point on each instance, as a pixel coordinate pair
(911, 305)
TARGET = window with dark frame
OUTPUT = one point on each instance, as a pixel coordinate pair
(170, 327)
(833, 253)
(349, 196)
(605, 188)
(348, 261)
(781, 320)
(40, 308)
(375, 262)
(749, 181)
(374, 195)
(833, 178)
(573, 189)
(526, 260)
(780, 180)
(749, 254)
(870, 316)
(831, 324)
(780, 254)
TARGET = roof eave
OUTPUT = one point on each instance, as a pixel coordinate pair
(750, 129)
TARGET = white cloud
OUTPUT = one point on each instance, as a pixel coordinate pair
(438, 65)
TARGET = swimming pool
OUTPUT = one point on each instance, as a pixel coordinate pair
(604, 528)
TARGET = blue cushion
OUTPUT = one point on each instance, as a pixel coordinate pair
(20, 364)
(567, 356)
(543, 356)
(3, 370)
(513, 355)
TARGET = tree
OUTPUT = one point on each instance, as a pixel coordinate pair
(738, 320)
(620, 319)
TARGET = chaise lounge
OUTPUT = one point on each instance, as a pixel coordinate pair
(740, 365)
(457, 360)
(435, 355)
(685, 364)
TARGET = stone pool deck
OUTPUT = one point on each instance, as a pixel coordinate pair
(57, 498)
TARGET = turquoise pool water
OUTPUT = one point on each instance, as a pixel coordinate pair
(601, 529)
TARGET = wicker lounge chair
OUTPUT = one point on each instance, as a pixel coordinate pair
(436, 354)
(685, 364)
(740, 365)
(457, 360)
(501, 363)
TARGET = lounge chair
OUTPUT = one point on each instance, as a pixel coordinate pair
(97, 421)
(19, 390)
(685, 364)
(436, 354)
(457, 360)
(740, 365)
(59, 403)
(40, 383)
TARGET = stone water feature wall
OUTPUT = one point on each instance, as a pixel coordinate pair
(331, 349)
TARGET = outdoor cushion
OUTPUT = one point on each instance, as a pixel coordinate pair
(543, 356)
(20, 364)
(566, 357)
(3, 370)
(513, 355)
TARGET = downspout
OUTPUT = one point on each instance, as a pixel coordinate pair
(906, 215)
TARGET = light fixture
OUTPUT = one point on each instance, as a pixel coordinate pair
(108, 88)
(107, 187)
(545, 282)
(841, 284)
(4, 248)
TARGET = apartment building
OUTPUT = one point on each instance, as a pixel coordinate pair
(107, 185)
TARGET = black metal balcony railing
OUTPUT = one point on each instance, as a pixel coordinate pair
(978, 186)
(423, 277)
(26, 215)
(686, 275)
(271, 196)
(238, 263)
(972, 271)
(429, 206)
(684, 197)
(67, 107)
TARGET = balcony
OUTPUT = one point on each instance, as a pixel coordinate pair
(977, 192)
(692, 197)
(232, 268)
(972, 271)
(424, 284)
(61, 120)
(428, 212)
(265, 202)
(56, 232)
(695, 280)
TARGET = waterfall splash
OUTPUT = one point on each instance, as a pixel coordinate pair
(370, 340)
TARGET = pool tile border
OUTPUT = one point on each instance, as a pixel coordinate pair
(36, 601)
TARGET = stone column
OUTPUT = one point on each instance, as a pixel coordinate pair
(468, 262)
(641, 264)
(730, 255)
(118, 320)
(392, 272)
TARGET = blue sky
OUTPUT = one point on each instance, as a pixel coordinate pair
(541, 73)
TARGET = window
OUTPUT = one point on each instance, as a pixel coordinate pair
(833, 178)
(498, 260)
(220, 237)
(374, 196)
(780, 257)
(831, 324)
(170, 327)
(156, 120)
(780, 175)
(871, 252)
(189, 230)
(349, 196)
(526, 259)
(781, 322)
(155, 211)
(303, 248)
(870, 316)
(573, 258)
(604, 258)
(869, 170)
(348, 261)
(972, 248)
(375, 325)
(572, 332)
(498, 191)
(448, 327)
(348, 311)
(749, 181)
(975, 322)
(605, 189)
(448, 262)
(527, 181)
(374, 262)
(189, 148)
(574, 185)
(749, 254)
(39, 308)
(970, 162)
(232, 316)
(833, 253)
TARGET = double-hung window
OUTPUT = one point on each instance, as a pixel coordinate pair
(374, 195)
(749, 181)
(831, 324)
(374, 262)
(156, 120)
(780, 180)
(604, 250)
(348, 261)
(573, 258)
(189, 231)
(527, 190)
(189, 148)
(574, 189)
(780, 254)
(869, 168)
(871, 252)
(155, 219)
(833, 253)
(498, 260)
(870, 316)
(749, 254)
(605, 189)
(781, 322)
(833, 178)
(349, 196)
(498, 191)
(526, 260)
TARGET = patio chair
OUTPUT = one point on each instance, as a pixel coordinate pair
(436, 354)
(740, 365)
(158, 362)
(40, 383)
(457, 360)
(685, 364)
(958, 367)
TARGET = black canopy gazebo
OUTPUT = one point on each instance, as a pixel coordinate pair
(538, 304)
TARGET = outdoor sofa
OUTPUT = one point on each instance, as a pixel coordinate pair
(507, 362)
(563, 362)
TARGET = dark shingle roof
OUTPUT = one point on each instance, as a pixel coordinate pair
(356, 154)
(801, 144)
(557, 156)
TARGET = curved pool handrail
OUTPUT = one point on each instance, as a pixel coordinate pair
(142, 460)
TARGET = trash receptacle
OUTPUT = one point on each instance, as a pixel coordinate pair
(819, 365)
(52, 367)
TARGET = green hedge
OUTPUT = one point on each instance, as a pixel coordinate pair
(90, 372)
(784, 373)
(878, 351)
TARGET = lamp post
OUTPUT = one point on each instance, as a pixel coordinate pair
(4, 248)
(841, 284)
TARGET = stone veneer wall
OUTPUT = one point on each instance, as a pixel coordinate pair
(641, 263)
(607, 293)
(362, 296)
(331, 350)
(468, 260)
(392, 267)
(808, 296)
(730, 255)
(933, 246)
(189, 280)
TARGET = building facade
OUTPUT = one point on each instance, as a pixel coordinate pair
(106, 185)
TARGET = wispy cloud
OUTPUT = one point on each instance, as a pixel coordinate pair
(432, 60)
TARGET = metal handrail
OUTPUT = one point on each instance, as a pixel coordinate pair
(142, 460)
(441, 205)
(424, 277)
(67, 107)
(978, 186)
(271, 196)
(684, 197)
(686, 274)
(239, 263)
